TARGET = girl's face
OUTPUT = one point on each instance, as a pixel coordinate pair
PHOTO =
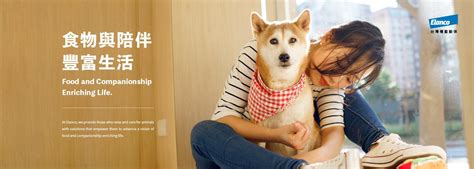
(323, 57)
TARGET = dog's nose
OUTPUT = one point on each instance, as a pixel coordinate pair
(284, 57)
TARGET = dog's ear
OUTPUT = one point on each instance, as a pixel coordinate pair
(304, 20)
(258, 24)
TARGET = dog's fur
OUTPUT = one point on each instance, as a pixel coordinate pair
(278, 75)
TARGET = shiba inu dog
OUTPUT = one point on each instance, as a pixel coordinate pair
(280, 92)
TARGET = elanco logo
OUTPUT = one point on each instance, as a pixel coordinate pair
(443, 22)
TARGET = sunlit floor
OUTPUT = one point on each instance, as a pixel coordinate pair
(458, 163)
(457, 155)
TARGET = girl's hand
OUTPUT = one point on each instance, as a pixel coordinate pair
(294, 135)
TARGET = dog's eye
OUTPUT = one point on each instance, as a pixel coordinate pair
(292, 40)
(273, 41)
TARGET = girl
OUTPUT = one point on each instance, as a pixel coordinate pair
(347, 58)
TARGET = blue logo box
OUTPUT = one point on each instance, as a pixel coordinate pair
(443, 21)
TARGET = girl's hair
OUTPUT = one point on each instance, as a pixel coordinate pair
(368, 51)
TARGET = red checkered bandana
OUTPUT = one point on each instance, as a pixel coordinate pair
(264, 102)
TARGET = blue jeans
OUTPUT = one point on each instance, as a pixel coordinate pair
(217, 145)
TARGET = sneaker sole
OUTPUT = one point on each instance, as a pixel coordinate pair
(394, 159)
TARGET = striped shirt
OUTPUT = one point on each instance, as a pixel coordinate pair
(233, 101)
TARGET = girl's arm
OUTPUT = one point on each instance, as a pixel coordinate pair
(249, 130)
(330, 102)
(332, 141)
(293, 135)
(331, 145)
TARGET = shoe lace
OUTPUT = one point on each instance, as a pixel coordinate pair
(396, 140)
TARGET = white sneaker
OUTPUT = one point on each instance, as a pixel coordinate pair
(391, 151)
(347, 160)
